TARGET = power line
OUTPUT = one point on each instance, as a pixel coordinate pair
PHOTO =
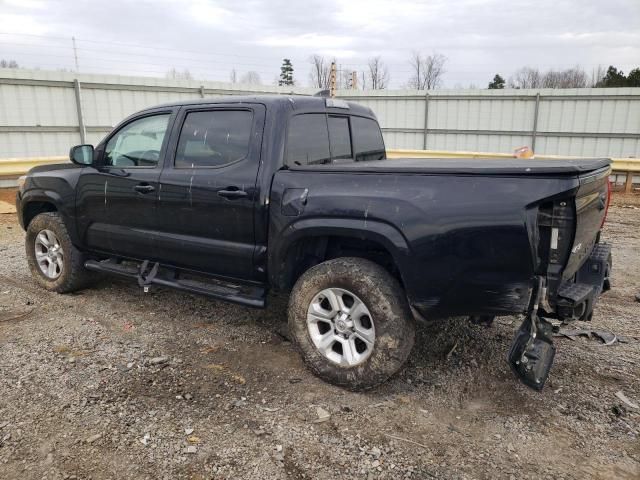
(362, 64)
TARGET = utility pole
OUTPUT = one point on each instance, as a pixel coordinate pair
(75, 53)
(354, 80)
(332, 80)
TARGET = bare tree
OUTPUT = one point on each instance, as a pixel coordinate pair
(570, 78)
(378, 73)
(596, 75)
(320, 71)
(343, 78)
(233, 76)
(251, 78)
(175, 74)
(528, 77)
(525, 77)
(8, 64)
(427, 70)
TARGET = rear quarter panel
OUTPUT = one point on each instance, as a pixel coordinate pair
(463, 244)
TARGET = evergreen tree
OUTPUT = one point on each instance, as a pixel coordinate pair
(633, 79)
(286, 73)
(613, 78)
(497, 83)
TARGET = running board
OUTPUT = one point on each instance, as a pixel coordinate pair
(249, 296)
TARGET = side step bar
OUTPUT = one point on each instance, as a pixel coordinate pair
(249, 296)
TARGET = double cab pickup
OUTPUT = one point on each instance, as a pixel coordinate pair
(235, 197)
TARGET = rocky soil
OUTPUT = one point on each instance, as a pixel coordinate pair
(114, 383)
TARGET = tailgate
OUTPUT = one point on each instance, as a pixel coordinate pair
(591, 203)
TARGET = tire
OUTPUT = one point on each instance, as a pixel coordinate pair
(311, 320)
(69, 274)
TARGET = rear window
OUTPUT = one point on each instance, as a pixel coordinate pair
(367, 139)
(308, 140)
(317, 138)
(214, 138)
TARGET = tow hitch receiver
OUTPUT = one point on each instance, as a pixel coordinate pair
(532, 352)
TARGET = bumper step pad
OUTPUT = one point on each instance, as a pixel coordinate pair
(576, 299)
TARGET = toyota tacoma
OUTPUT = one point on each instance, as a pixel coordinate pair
(235, 197)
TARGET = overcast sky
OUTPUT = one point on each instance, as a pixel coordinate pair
(210, 37)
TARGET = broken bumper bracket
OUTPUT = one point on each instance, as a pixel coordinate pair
(531, 357)
(532, 351)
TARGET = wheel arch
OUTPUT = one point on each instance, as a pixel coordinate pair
(35, 202)
(34, 207)
(308, 242)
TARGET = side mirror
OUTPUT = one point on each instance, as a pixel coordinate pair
(81, 154)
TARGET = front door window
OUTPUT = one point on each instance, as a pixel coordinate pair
(138, 144)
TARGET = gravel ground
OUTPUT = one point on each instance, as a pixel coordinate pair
(114, 383)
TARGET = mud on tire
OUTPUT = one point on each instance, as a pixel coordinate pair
(389, 311)
(72, 276)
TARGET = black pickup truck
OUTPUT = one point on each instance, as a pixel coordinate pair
(237, 196)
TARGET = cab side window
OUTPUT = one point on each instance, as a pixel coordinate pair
(214, 138)
(138, 144)
(308, 140)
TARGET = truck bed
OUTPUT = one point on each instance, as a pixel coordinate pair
(465, 240)
(467, 166)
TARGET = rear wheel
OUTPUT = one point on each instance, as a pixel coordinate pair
(351, 321)
(55, 263)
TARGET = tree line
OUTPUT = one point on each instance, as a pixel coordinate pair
(574, 77)
(426, 72)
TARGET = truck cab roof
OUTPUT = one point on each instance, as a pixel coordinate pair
(296, 103)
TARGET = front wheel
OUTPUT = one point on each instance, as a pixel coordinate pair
(351, 321)
(55, 263)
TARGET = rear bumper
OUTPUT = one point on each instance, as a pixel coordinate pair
(576, 299)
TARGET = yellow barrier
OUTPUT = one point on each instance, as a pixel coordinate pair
(14, 167)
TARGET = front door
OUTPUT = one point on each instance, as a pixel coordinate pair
(208, 190)
(117, 198)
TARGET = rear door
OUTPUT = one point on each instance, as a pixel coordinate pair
(117, 199)
(208, 190)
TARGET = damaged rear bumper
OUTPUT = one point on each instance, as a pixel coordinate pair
(532, 351)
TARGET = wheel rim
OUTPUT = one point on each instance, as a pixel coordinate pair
(341, 327)
(49, 254)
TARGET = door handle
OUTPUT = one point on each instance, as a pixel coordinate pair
(232, 193)
(144, 188)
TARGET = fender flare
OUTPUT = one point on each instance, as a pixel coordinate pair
(54, 198)
(380, 232)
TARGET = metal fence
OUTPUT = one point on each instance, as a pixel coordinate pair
(576, 122)
(44, 113)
